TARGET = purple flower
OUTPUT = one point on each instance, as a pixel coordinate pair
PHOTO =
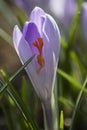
(40, 36)
(84, 19)
(69, 12)
(64, 11)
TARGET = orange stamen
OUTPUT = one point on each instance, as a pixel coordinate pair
(39, 45)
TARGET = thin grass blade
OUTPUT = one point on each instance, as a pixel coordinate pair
(16, 73)
(20, 104)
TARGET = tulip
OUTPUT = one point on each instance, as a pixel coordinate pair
(84, 19)
(39, 36)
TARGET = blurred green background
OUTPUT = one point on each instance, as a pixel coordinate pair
(73, 63)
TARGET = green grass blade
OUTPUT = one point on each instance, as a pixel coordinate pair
(6, 37)
(22, 67)
(7, 13)
(73, 29)
(65, 101)
(24, 90)
(7, 117)
(20, 104)
(69, 78)
(75, 24)
(16, 73)
(78, 102)
(64, 43)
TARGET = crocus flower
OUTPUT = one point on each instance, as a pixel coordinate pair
(84, 19)
(39, 36)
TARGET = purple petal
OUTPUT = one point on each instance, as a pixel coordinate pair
(38, 83)
(43, 26)
(51, 37)
(21, 46)
(24, 52)
(35, 17)
(30, 33)
(51, 32)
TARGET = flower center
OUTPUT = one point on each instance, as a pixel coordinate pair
(39, 45)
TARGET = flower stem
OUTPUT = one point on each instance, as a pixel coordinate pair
(48, 115)
(50, 112)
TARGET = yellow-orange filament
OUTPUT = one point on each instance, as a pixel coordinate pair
(39, 45)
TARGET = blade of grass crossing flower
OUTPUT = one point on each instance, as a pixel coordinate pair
(20, 104)
(71, 80)
(78, 102)
(16, 73)
(21, 68)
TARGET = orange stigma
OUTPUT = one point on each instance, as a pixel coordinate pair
(39, 45)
